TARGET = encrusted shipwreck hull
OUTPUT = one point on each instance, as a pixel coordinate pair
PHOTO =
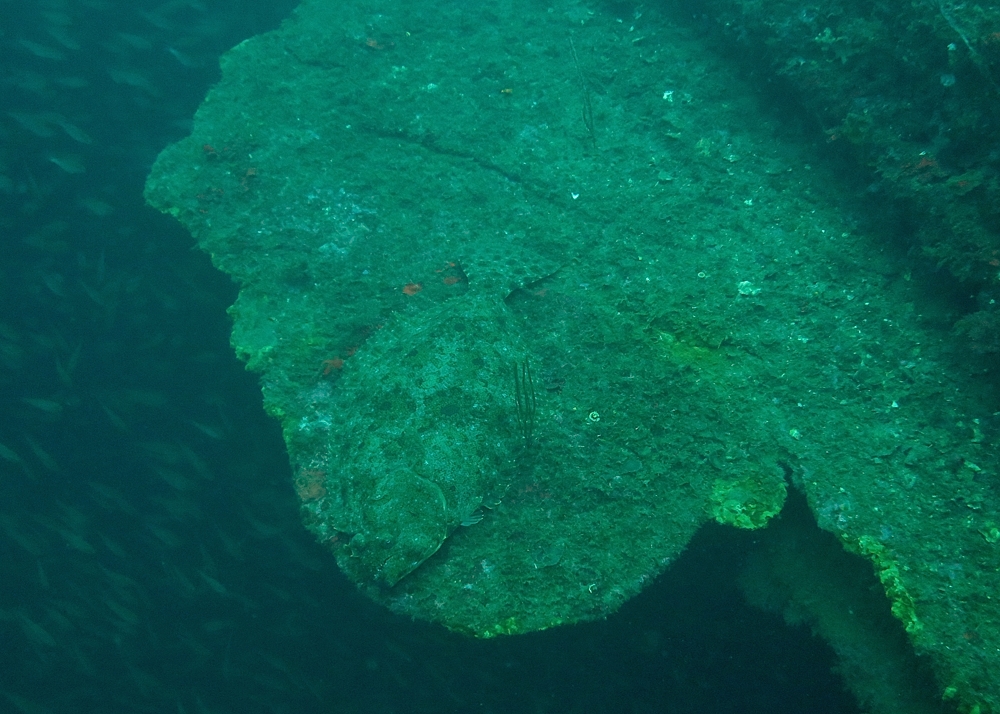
(537, 291)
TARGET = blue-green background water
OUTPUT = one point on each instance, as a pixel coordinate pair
(151, 555)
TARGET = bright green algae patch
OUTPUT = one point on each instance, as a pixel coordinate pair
(421, 202)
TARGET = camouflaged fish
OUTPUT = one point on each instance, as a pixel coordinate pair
(431, 436)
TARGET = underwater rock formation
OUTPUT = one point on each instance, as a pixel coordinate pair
(425, 204)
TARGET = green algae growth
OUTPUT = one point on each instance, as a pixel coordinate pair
(421, 202)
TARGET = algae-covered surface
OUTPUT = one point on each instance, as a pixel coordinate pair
(537, 289)
(913, 87)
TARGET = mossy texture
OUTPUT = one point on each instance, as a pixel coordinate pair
(415, 199)
(914, 90)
